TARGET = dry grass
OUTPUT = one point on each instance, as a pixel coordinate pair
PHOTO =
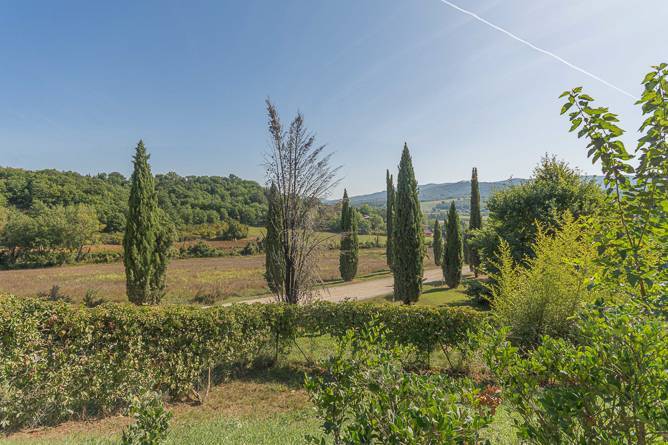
(225, 277)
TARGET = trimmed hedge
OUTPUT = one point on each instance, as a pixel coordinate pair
(59, 361)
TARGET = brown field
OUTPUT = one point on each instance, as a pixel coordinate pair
(227, 278)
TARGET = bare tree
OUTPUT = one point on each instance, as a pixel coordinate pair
(301, 172)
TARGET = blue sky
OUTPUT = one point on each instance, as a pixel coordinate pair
(82, 81)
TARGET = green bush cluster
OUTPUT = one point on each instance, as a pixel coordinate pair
(62, 361)
(367, 396)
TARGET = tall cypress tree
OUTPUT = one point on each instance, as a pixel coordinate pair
(146, 241)
(389, 217)
(274, 263)
(408, 236)
(453, 256)
(349, 256)
(475, 221)
(437, 243)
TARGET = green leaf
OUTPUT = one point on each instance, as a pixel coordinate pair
(565, 107)
(576, 124)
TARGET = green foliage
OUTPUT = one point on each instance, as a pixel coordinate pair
(233, 230)
(408, 238)
(366, 396)
(371, 220)
(62, 361)
(389, 218)
(349, 256)
(187, 200)
(437, 243)
(273, 245)
(202, 250)
(453, 258)
(609, 386)
(517, 212)
(542, 295)
(151, 425)
(636, 234)
(106, 193)
(475, 223)
(53, 232)
(209, 199)
(148, 236)
(607, 382)
(479, 290)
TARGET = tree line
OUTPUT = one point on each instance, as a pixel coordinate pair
(186, 199)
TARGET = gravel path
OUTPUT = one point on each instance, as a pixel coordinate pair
(361, 290)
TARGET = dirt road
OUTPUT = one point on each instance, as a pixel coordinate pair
(361, 290)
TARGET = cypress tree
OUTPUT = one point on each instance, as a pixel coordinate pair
(453, 256)
(437, 243)
(408, 236)
(147, 236)
(274, 268)
(475, 222)
(349, 256)
(389, 217)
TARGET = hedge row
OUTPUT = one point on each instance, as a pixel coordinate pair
(60, 361)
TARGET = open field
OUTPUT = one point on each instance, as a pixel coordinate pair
(224, 279)
(331, 240)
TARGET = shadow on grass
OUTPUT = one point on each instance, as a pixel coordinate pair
(290, 375)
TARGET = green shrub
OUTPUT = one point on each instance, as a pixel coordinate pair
(201, 250)
(366, 396)
(541, 296)
(233, 230)
(609, 386)
(151, 422)
(479, 290)
(61, 361)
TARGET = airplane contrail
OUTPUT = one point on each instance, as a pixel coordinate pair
(536, 48)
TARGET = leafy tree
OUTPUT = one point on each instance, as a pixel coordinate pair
(389, 218)
(408, 237)
(349, 255)
(275, 269)
(145, 245)
(453, 257)
(437, 243)
(516, 213)
(475, 222)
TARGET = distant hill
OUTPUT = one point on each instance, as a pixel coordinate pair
(442, 192)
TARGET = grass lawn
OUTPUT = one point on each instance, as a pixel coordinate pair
(436, 293)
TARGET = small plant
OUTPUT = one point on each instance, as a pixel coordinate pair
(151, 421)
(91, 298)
(55, 295)
(252, 247)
